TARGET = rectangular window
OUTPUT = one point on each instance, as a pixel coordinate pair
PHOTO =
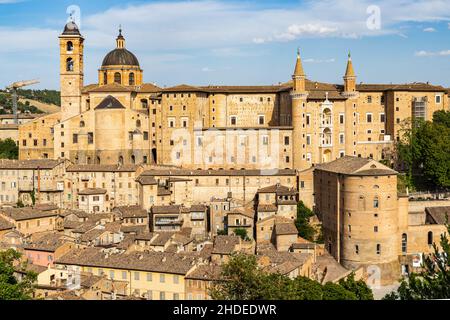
(341, 138)
(308, 139)
(75, 138)
(438, 99)
(137, 276)
(149, 277)
(308, 119)
(265, 140)
(369, 117)
(369, 99)
(341, 118)
(233, 120)
(176, 279)
(261, 120)
(90, 137)
(378, 248)
(286, 141)
(145, 135)
(162, 278)
(382, 118)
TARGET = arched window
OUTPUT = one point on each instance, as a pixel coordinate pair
(131, 79)
(69, 64)
(89, 160)
(98, 160)
(117, 78)
(138, 123)
(133, 159)
(121, 160)
(105, 78)
(430, 238)
(69, 46)
(82, 124)
(404, 243)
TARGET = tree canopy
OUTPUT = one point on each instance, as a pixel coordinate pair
(10, 287)
(8, 149)
(243, 279)
(305, 230)
(424, 151)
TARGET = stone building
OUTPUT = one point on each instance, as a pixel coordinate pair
(365, 222)
(123, 120)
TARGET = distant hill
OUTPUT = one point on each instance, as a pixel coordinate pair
(33, 101)
(44, 96)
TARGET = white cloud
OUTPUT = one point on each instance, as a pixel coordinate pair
(424, 53)
(429, 30)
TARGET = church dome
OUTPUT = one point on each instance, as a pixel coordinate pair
(120, 56)
(71, 29)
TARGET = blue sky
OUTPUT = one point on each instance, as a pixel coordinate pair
(251, 42)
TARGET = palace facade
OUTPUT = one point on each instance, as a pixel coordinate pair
(122, 120)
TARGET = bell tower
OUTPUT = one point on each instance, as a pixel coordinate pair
(299, 97)
(71, 46)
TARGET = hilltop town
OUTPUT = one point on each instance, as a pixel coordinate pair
(132, 191)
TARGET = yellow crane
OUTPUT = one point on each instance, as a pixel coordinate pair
(13, 88)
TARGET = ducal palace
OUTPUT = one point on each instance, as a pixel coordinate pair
(123, 120)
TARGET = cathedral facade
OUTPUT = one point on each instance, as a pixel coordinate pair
(294, 125)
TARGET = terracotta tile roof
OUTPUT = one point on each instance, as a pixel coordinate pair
(48, 243)
(162, 191)
(198, 208)
(29, 164)
(356, 166)
(248, 212)
(91, 235)
(437, 215)
(101, 168)
(5, 224)
(239, 173)
(247, 89)
(184, 88)
(279, 190)
(133, 229)
(20, 214)
(285, 229)
(206, 273)
(162, 238)
(140, 261)
(111, 87)
(226, 244)
(148, 88)
(92, 191)
(280, 262)
(174, 209)
(147, 180)
(416, 86)
(131, 212)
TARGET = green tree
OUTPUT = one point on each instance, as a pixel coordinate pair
(8, 149)
(242, 279)
(359, 288)
(240, 232)
(305, 230)
(333, 291)
(433, 282)
(10, 287)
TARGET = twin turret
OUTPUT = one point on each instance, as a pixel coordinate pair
(299, 78)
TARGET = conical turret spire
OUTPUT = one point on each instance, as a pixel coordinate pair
(350, 72)
(298, 66)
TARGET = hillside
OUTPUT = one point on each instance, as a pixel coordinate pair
(44, 107)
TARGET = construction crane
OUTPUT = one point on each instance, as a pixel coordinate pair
(13, 87)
